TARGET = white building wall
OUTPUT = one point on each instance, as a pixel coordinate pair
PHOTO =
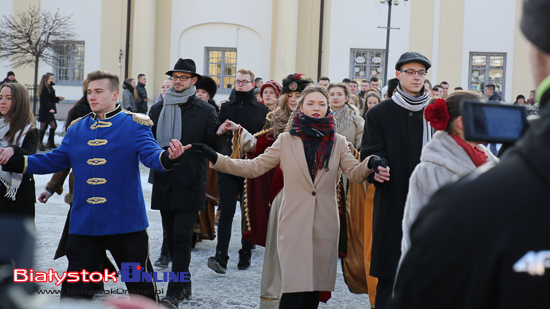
(489, 26)
(242, 24)
(86, 16)
(355, 25)
(6, 8)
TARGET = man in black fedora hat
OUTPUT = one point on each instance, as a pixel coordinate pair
(181, 193)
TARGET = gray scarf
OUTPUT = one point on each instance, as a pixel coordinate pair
(415, 104)
(169, 123)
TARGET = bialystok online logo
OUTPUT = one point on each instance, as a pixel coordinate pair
(131, 272)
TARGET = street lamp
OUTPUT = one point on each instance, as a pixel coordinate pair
(388, 28)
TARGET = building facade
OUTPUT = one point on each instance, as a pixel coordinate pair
(470, 42)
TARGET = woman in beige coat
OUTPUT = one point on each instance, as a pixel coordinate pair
(309, 155)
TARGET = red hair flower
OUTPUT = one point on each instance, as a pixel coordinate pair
(437, 114)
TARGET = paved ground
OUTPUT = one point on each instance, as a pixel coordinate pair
(236, 289)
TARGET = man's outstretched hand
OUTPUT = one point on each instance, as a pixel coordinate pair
(176, 149)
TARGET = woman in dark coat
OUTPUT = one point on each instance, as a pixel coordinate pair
(47, 109)
(20, 137)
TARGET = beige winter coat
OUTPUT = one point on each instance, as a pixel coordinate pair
(308, 219)
(442, 159)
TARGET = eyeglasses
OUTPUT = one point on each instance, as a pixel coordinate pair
(242, 82)
(412, 72)
(183, 78)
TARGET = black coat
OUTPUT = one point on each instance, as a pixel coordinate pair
(26, 195)
(395, 135)
(48, 101)
(246, 111)
(467, 244)
(184, 187)
(142, 94)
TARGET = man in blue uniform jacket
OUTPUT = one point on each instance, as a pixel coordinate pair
(104, 149)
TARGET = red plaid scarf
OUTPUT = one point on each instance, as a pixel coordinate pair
(317, 134)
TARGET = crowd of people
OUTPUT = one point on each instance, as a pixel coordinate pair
(322, 171)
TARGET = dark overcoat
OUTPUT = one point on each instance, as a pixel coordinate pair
(48, 101)
(395, 135)
(184, 187)
(482, 242)
(244, 110)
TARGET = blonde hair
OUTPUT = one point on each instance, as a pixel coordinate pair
(249, 72)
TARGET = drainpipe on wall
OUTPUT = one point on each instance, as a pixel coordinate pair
(320, 57)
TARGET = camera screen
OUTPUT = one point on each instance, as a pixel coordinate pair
(497, 122)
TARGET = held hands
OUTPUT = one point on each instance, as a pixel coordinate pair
(350, 146)
(176, 149)
(52, 111)
(61, 98)
(6, 154)
(206, 151)
(382, 171)
(44, 196)
(228, 125)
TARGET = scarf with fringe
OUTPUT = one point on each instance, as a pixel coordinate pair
(12, 181)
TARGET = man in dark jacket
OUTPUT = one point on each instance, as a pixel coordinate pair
(142, 94)
(245, 110)
(10, 78)
(482, 242)
(395, 131)
(181, 193)
(491, 94)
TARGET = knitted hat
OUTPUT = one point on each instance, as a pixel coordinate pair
(535, 23)
(10, 73)
(295, 82)
(273, 84)
(207, 84)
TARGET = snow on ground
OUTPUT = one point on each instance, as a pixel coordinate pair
(236, 289)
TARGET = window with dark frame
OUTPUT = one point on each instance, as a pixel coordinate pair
(487, 68)
(221, 65)
(70, 62)
(367, 63)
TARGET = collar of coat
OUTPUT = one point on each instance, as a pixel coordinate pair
(109, 114)
(443, 151)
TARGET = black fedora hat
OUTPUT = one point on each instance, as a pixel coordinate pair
(185, 66)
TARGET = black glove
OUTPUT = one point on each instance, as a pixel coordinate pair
(205, 151)
(375, 162)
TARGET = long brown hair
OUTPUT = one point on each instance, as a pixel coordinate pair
(20, 114)
(44, 83)
(281, 116)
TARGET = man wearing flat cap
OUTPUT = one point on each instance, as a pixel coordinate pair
(397, 143)
(481, 242)
(181, 193)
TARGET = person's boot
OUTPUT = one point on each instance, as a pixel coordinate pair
(51, 139)
(176, 293)
(164, 258)
(41, 134)
(244, 259)
(218, 263)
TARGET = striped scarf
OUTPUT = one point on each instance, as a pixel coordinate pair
(415, 104)
(317, 134)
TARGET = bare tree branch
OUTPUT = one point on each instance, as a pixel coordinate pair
(34, 37)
